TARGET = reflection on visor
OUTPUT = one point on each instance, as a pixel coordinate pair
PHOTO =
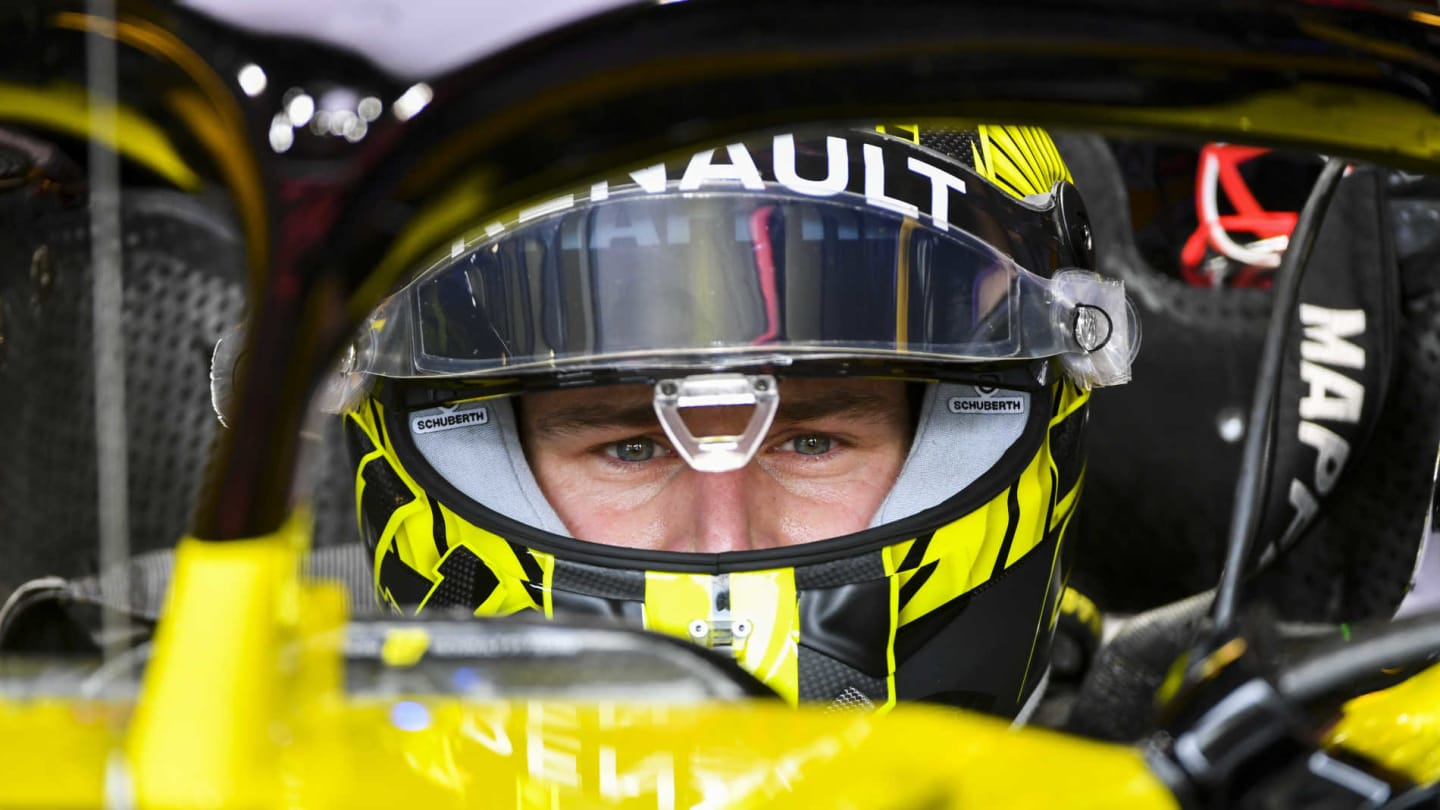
(683, 275)
(721, 271)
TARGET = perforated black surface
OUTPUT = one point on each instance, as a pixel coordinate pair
(465, 581)
(1357, 563)
(182, 272)
(1160, 480)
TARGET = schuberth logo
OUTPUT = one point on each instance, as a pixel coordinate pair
(455, 416)
(987, 403)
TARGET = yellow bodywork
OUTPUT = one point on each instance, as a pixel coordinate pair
(243, 702)
(243, 706)
(1398, 727)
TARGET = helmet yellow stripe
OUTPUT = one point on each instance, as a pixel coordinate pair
(890, 643)
(1072, 399)
(673, 601)
(1034, 491)
(411, 531)
(767, 600)
(410, 528)
(1023, 160)
(962, 555)
(966, 553)
(1065, 507)
(362, 423)
(1072, 403)
(547, 571)
(894, 556)
(908, 131)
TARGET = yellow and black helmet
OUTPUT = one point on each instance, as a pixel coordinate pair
(950, 264)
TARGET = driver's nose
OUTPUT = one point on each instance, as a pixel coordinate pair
(729, 511)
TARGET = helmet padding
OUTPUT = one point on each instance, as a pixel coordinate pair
(950, 451)
(486, 463)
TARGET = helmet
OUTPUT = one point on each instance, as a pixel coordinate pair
(927, 283)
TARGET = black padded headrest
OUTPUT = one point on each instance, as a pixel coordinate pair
(1162, 464)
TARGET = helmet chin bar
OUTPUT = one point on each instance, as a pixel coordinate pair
(720, 453)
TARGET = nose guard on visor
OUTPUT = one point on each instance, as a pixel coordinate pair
(717, 453)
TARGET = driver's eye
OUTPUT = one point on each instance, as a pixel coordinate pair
(639, 449)
(812, 445)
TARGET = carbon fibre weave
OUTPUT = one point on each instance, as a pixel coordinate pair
(840, 572)
(592, 580)
(851, 699)
(826, 680)
(958, 144)
(465, 581)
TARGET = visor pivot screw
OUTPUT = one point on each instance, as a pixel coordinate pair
(1083, 237)
(1091, 327)
(669, 389)
(742, 628)
(699, 630)
(762, 385)
(347, 363)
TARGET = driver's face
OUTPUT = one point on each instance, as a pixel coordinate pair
(829, 460)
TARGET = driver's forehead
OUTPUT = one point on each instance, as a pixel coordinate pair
(800, 399)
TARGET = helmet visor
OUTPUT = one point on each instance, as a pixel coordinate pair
(714, 278)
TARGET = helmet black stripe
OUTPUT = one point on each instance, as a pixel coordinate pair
(533, 572)
(437, 521)
(400, 584)
(1012, 505)
(916, 554)
(908, 591)
(384, 492)
(464, 581)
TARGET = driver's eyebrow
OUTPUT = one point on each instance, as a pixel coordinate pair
(641, 415)
(597, 416)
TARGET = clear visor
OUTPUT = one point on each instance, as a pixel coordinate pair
(715, 278)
